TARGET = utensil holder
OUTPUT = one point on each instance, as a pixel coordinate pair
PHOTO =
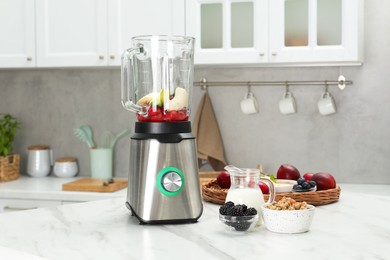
(101, 163)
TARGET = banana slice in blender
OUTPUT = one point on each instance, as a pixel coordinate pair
(148, 99)
(180, 100)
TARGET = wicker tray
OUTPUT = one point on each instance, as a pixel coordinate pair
(213, 193)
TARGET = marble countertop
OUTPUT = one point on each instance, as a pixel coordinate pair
(355, 227)
(50, 188)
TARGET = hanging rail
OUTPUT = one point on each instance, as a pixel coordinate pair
(341, 83)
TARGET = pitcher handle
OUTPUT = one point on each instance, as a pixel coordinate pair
(127, 84)
(272, 192)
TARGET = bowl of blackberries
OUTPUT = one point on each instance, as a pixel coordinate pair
(304, 185)
(238, 217)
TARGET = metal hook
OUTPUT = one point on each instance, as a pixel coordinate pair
(249, 87)
(203, 84)
(287, 87)
(326, 86)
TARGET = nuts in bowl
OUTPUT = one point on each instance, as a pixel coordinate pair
(288, 216)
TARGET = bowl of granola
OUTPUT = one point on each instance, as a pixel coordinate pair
(288, 216)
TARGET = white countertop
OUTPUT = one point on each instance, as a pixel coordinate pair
(50, 188)
(355, 227)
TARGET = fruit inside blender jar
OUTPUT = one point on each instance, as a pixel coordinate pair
(158, 111)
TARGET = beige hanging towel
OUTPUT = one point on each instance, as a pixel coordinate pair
(208, 137)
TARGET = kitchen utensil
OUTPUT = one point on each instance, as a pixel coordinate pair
(65, 167)
(157, 78)
(95, 185)
(39, 161)
(106, 139)
(84, 136)
(118, 137)
(88, 132)
(245, 189)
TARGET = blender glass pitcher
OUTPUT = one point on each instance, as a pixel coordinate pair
(157, 77)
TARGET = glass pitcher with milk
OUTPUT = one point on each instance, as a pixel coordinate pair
(244, 188)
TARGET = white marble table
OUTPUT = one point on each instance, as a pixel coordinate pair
(356, 227)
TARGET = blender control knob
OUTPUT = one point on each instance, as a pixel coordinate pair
(172, 181)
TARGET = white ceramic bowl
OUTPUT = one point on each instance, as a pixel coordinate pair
(288, 221)
(282, 185)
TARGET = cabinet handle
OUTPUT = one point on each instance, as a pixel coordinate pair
(274, 53)
(16, 208)
(101, 57)
(261, 54)
(29, 59)
(112, 57)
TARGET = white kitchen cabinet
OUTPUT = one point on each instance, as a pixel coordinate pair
(71, 33)
(17, 29)
(269, 32)
(96, 32)
(319, 31)
(128, 18)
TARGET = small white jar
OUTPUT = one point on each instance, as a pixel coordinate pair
(39, 160)
(66, 167)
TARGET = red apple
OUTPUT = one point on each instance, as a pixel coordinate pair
(223, 180)
(308, 176)
(324, 180)
(264, 187)
(287, 171)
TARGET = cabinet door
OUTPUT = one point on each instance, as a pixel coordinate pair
(315, 31)
(228, 31)
(17, 29)
(128, 18)
(71, 33)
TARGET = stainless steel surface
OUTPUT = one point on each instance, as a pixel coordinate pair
(147, 159)
(172, 181)
(203, 83)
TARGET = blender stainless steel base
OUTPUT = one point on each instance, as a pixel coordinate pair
(164, 185)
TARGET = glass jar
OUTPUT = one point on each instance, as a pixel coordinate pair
(244, 188)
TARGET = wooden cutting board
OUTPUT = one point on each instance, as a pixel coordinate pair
(96, 185)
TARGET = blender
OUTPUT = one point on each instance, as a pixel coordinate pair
(157, 79)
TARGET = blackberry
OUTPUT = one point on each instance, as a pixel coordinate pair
(306, 186)
(312, 184)
(229, 211)
(301, 180)
(223, 210)
(250, 212)
(239, 226)
(238, 210)
(229, 204)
